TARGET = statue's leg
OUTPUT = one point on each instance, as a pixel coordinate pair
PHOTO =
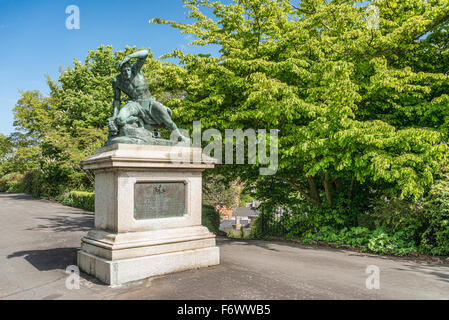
(162, 115)
(128, 114)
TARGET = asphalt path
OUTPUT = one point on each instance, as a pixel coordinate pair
(39, 240)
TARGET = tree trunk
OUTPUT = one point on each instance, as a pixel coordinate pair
(327, 188)
(313, 189)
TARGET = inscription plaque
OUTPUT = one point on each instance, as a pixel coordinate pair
(154, 200)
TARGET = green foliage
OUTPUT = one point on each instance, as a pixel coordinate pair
(245, 198)
(362, 112)
(38, 185)
(435, 219)
(268, 225)
(424, 222)
(80, 199)
(257, 230)
(393, 227)
(5, 146)
(354, 106)
(12, 182)
(5, 150)
(211, 218)
(241, 234)
(233, 234)
(313, 218)
(34, 184)
(376, 241)
(354, 236)
(382, 243)
(217, 191)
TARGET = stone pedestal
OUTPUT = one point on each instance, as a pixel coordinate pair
(147, 213)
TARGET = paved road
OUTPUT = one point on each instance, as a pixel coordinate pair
(39, 239)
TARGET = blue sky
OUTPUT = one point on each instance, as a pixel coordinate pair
(35, 41)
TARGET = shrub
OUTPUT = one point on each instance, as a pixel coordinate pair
(434, 220)
(14, 186)
(396, 215)
(382, 243)
(12, 182)
(80, 199)
(424, 224)
(313, 218)
(234, 234)
(34, 183)
(211, 219)
(376, 241)
(355, 236)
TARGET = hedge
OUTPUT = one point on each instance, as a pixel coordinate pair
(211, 219)
(12, 182)
(80, 199)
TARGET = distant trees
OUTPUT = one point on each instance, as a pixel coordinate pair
(5, 149)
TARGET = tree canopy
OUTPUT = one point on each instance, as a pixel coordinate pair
(360, 110)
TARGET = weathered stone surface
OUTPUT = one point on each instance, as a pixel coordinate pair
(116, 272)
(149, 157)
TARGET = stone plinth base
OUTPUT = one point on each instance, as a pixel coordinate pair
(116, 272)
(116, 258)
(138, 234)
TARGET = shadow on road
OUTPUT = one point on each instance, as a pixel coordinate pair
(440, 272)
(16, 196)
(65, 223)
(48, 259)
(268, 244)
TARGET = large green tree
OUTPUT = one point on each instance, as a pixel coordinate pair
(361, 111)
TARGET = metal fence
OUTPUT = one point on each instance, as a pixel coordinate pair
(271, 225)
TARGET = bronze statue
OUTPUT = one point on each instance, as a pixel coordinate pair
(137, 121)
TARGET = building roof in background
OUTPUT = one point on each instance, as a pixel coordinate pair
(226, 225)
(244, 212)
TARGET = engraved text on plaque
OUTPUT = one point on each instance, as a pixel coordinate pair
(154, 200)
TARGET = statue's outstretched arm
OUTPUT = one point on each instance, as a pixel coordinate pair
(141, 57)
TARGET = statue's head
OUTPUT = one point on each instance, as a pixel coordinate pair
(125, 70)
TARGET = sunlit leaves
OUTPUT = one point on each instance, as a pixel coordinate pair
(350, 102)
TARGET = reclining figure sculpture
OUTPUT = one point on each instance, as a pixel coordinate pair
(137, 121)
